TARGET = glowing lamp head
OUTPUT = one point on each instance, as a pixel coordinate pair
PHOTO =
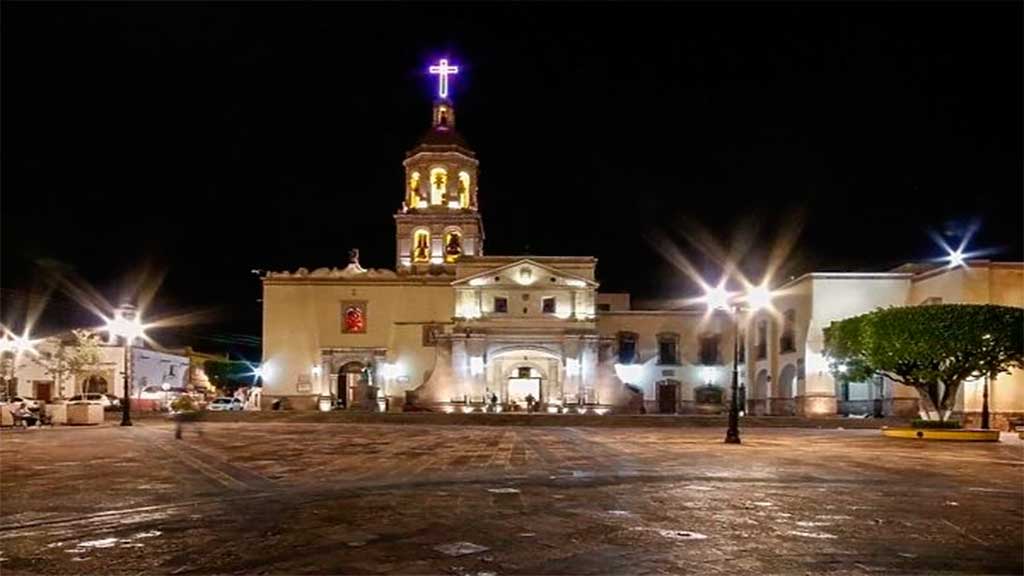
(956, 258)
(759, 297)
(717, 298)
(126, 324)
(11, 342)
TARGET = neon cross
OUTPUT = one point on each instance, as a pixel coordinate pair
(443, 70)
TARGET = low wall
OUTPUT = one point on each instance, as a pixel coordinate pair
(542, 419)
(996, 420)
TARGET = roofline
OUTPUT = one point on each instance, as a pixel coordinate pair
(969, 264)
(685, 312)
(535, 258)
(488, 272)
(845, 275)
(307, 281)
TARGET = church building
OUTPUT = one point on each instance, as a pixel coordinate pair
(454, 329)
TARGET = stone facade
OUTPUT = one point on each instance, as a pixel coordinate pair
(453, 329)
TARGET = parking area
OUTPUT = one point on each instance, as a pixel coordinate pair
(290, 497)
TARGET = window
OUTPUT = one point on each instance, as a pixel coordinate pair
(548, 305)
(438, 185)
(604, 307)
(452, 246)
(708, 395)
(709, 350)
(668, 347)
(421, 246)
(414, 190)
(463, 189)
(787, 342)
(762, 340)
(500, 305)
(627, 348)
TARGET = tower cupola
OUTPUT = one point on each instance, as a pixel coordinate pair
(438, 222)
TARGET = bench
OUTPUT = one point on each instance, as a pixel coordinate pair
(1015, 423)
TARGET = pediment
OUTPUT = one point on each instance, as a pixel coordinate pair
(525, 272)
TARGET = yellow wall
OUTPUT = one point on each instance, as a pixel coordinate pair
(303, 318)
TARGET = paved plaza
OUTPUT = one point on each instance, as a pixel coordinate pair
(332, 498)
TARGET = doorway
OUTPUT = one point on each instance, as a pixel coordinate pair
(44, 390)
(95, 384)
(668, 396)
(350, 386)
(520, 388)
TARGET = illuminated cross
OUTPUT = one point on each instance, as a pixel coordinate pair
(443, 70)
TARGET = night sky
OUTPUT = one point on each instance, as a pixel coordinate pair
(206, 141)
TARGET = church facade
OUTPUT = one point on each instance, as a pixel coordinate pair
(454, 329)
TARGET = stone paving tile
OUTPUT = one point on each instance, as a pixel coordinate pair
(366, 499)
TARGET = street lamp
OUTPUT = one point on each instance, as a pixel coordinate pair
(127, 327)
(12, 347)
(717, 298)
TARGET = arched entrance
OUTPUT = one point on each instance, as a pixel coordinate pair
(758, 403)
(516, 374)
(783, 403)
(94, 384)
(351, 388)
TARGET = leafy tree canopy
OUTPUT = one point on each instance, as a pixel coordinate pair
(228, 375)
(932, 348)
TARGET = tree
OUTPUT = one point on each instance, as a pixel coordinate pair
(228, 375)
(69, 356)
(931, 348)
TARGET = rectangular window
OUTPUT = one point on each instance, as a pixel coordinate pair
(548, 305)
(667, 351)
(500, 305)
(627, 348)
(709, 350)
(787, 342)
(762, 340)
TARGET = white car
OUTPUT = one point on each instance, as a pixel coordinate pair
(225, 404)
(30, 403)
(97, 398)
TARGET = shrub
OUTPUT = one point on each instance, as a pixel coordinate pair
(922, 423)
(183, 403)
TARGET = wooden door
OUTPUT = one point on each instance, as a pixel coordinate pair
(667, 398)
(44, 391)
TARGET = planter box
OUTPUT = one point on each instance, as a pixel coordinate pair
(962, 435)
(84, 414)
(58, 413)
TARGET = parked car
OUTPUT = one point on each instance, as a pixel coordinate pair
(115, 402)
(225, 404)
(30, 403)
(95, 397)
(152, 392)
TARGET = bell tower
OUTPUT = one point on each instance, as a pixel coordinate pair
(438, 222)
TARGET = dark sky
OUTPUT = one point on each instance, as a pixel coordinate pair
(205, 141)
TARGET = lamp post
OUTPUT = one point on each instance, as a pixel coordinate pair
(126, 327)
(718, 298)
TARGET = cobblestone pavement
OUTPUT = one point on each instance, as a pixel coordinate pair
(287, 498)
